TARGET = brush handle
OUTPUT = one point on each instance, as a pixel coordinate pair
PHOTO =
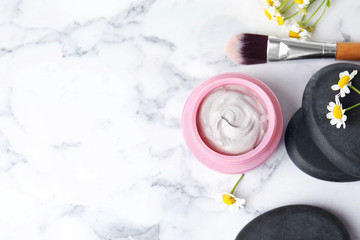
(348, 51)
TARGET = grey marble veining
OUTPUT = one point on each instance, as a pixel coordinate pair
(91, 95)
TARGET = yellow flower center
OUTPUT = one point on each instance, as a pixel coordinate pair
(299, 1)
(280, 20)
(294, 34)
(268, 14)
(343, 81)
(228, 200)
(270, 2)
(337, 112)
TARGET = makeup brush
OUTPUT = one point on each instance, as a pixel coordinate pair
(247, 48)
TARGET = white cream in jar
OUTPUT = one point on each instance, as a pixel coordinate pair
(232, 120)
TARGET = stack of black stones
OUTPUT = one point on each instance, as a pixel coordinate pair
(320, 150)
(313, 144)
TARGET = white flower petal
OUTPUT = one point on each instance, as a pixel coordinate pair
(304, 34)
(335, 87)
(342, 93)
(295, 27)
(332, 104)
(330, 115)
(338, 124)
(333, 121)
(271, 10)
(343, 74)
(344, 118)
(353, 73)
(218, 198)
(277, 3)
(240, 202)
(346, 89)
(231, 195)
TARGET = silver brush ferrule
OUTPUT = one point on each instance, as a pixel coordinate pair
(286, 49)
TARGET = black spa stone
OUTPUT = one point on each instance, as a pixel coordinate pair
(340, 146)
(307, 156)
(295, 222)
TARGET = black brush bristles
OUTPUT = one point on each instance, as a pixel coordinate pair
(247, 48)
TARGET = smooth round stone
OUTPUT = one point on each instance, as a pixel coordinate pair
(295, 222)
(307, 156)
(340, 146)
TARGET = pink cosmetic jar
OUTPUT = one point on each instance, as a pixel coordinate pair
(232, 164)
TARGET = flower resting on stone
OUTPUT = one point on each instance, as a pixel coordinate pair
(229, 200)
(336, 114)
(344, 82)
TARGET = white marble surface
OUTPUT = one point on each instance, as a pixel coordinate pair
(91, 94)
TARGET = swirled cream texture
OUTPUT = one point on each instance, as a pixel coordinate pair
(232, 120)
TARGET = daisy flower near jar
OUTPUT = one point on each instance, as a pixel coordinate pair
(229, 200)
(297, 17)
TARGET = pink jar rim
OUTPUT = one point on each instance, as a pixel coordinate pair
(232, 163)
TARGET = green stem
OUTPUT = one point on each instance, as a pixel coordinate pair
(303, 17)
(291, 16)
(283, 4)
(311, 2)
(354, 106)
(314, 12)
(288, 7)
(233, 190)
(307, 9)
(354, 88)
(320, 17)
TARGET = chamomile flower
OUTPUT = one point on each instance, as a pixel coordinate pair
(302, 3)
(273, 14)
(336, 114)
(296, 31)
(275, 3)
(231, 202)
(283, 11)
(270, 12)
(269, 2)
(280, 20)
(344, 82)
